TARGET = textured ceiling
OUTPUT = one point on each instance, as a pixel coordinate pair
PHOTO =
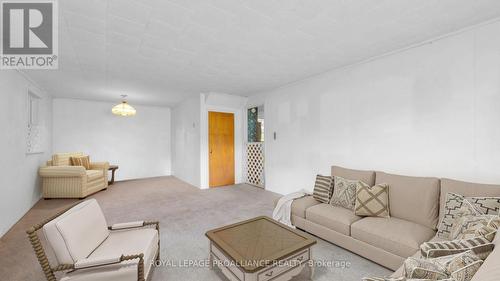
(162, 51)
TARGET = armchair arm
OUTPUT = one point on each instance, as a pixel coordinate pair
(134, 224)
(126, 225)
(62, 171)
(99, 165)
(92, 262)
(103, 261)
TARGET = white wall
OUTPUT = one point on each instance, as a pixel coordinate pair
(186, 141)
(190, 137)
(433, 110)
(19, 183)
(140, 145)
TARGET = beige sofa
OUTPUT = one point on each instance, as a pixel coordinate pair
(61, 180)
(415, 204)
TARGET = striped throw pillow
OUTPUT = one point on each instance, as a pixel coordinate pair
(323, 188)
(81, 161)
(481, 247)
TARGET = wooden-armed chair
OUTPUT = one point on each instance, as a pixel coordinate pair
(86, 249)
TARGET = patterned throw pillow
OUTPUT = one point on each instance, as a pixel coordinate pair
(471, 226)
(424, 269)
(344, 192)
(467, 272)
(453, 209)
(461, 261)
(467, 210)
(81, 161)
(372, 201)
(323, 188)
(486, 205)
(481, 247)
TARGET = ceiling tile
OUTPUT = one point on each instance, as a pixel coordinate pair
(160, 51)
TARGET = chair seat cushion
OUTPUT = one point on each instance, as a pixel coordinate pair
(299, 206)
(94, 174)
(397, 236)
(121, 242)
(333, 217)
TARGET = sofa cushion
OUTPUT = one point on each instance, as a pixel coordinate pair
(77, 232)
(417, 255)
(394, 235)
(367, 177)
(94, 174)
(415, 199)
(123, 242)
(333, 217)
(299, 206)
(466, 189)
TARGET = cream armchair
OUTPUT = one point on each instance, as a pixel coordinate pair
(61, 180)
(86, 249)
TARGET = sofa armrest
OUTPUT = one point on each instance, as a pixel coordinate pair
(62, 171)
(99, 166)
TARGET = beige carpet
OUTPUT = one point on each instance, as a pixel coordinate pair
(185, 214)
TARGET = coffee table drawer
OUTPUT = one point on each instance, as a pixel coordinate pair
(288, 264)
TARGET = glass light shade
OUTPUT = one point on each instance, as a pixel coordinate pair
(123, 109)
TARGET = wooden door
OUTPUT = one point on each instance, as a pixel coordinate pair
(221, 148)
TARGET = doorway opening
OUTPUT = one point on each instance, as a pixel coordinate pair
(255, 146)
(221, 148)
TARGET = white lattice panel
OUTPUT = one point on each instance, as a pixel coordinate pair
(255, 163)
(34, 139)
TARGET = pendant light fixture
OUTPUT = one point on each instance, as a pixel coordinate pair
(123, 109)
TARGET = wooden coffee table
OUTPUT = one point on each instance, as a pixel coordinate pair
(260, 249)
